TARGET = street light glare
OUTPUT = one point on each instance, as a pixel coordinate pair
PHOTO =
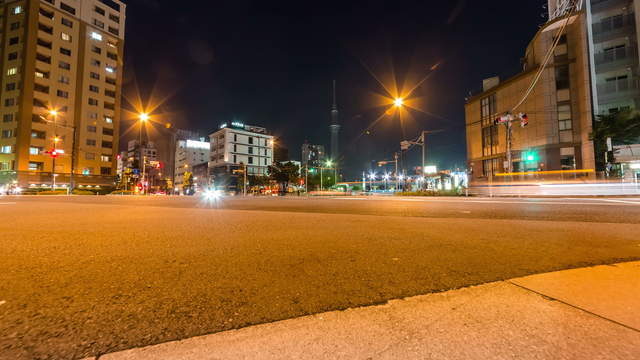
(144, 117)
(53, 112)
(398, 102)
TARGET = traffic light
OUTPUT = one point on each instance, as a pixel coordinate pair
(53, 153)
(530, 156)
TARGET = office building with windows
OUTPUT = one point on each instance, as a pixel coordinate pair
(236, 146)
(61, 72)
(312, 155)
(190, 153)
(559, 107)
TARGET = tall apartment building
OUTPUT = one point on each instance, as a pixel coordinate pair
(63, 56)
(559, 108)
(236, 145)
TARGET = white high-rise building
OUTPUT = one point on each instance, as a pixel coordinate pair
(236, 145)
(188, 154)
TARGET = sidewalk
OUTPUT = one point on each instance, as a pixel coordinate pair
(588, 313)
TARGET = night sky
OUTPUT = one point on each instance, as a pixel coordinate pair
(271, 63)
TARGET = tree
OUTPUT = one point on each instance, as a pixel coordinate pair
(187, 183)
(622, 127)
(284, 174)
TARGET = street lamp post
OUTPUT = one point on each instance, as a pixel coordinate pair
(55, 144)
(142, 162)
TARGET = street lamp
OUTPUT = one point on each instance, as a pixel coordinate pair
(372, 176)
(56, 139)
(386, 178)
(401, 178)
(398, 102)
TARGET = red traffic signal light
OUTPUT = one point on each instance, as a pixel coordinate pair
(53, 153)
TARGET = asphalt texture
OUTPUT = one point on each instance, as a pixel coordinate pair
(85, 276)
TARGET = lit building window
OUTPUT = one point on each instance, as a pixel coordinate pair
(12, 71)
(65, 36)
(17, 10)
(110, 69)
(34, 151)
(108, 120)
(96, 36)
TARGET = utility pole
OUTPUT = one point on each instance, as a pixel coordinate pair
(244, 188)
(507, 119)
(321, 187)
(73, 158)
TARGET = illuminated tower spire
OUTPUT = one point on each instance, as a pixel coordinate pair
(334, 128)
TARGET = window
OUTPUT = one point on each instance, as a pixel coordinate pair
(96, 49)
(107, 131)
(12, 71)
(39, 103)
(105, 171)
(67, 22)
(17, 10)
(64, 79)
(7, 134)
(9, 102)
(93, 115)
(108, 120)
(89, 156)
(91, 128)
(114, 18)
(6, 149)
(110, 93)
(15, 25)
(36, 166)
(107, 144)
(91, 142)
(105, 158)
(250, 160)
(43, 58)
(109, 80)
(45, 28)
(62, 94)
(490, 140)
(65, 36)
(34, 150)
(564, 117)
(67, 8)
(112, 56)
(93, 102)
(11, 86)
(250, 149)
(98, 23)
(112, 43)
(100, 11)
(42, 74)
(7, 118)
(94, 89)
(37, 134)
(95, 62)
(41, 88)
(47, 14)
(114, 31)
(96, 36)
(95, 76)
(109, 106)
(235, 160)
(562, 77)
(44, 43)
(14, 40)
(12, 56)
(64, 65)
(5, 165)
(64, 51)
(250, 140)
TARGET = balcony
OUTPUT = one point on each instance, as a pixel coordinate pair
(614, 89)
(600, 5)
(614, 27)
(616, 58)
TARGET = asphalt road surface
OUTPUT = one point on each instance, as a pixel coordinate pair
(85, 276)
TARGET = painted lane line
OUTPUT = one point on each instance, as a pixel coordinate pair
(7, 203)
(623, 201)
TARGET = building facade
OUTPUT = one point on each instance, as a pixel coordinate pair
(189, 153)
(236, 145)
(559, 108)
(312, 155)
(61, 88)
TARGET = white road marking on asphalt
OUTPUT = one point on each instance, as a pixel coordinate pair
(7, 203)
(465, 212)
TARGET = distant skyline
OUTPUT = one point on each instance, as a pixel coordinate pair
(272, 65)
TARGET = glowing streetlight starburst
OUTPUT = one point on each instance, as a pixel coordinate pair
(398, 102)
